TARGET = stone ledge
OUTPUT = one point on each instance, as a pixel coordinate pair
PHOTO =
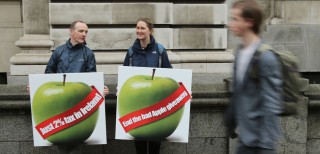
(112, 38)
(209, 57)
(15, 105)
(123, 38)
(208, 67)
(34, 41)
(101, 58)
(205, 95)
(314, 104)
(314, 91)
(24, 103)
(19, 70)
(118, 57)
(30, 59)
(304, 85)
(26, 44)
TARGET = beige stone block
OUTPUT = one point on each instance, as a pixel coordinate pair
(193, 14)
(219, 67)
(195, 67)
(209, 57)
(7, 50)
(200, 38)
(192, 57)
(10, 34)
(297, 12)
(176, 66)
(27, 69)
(110, 58)
(110, 13)
(128, 13)
(108, 69)
(164, 36)
(91, 13)
(112, 39)
(315, 12)
(10, 13)
(174, 58)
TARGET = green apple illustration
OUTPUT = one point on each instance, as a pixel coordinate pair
(53, 98)
(142, 91)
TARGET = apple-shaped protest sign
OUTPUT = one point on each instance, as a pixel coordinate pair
(142, 91)
(53, 98)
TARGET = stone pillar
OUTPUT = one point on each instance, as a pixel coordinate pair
(36, 17)
(35, 43)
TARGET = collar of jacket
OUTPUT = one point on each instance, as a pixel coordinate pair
(249, 66)
(77, 46)
(137, 46)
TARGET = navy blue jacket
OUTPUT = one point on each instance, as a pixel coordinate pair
(71, 59)
(148, 57)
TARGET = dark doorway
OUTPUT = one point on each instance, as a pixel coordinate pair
(3, 78)
(314, 77)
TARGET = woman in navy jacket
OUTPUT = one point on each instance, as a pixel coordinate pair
(146, 52)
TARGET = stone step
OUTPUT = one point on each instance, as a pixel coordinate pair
(170, 38)
(112, 69)
(313, 92)
(117, 57)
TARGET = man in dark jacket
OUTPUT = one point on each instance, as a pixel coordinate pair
(73, 57)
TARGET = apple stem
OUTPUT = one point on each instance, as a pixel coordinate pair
(153, 71)
(64, 79)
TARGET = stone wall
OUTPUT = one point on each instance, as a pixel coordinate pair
(207, 131)
(11, 30)
(292, 25)
(193, 34)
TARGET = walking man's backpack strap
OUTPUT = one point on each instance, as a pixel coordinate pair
(290, 74)
(160, 48)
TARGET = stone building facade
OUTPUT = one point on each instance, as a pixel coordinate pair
(194, 33)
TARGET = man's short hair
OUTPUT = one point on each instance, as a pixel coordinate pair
(73, 24)
(250, 10)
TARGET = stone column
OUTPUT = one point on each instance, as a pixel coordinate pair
(35, 43)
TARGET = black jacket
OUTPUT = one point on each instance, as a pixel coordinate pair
(148, 57)
(71, 59)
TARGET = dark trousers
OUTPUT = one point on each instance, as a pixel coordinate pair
(242, 149)
(147, 147)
